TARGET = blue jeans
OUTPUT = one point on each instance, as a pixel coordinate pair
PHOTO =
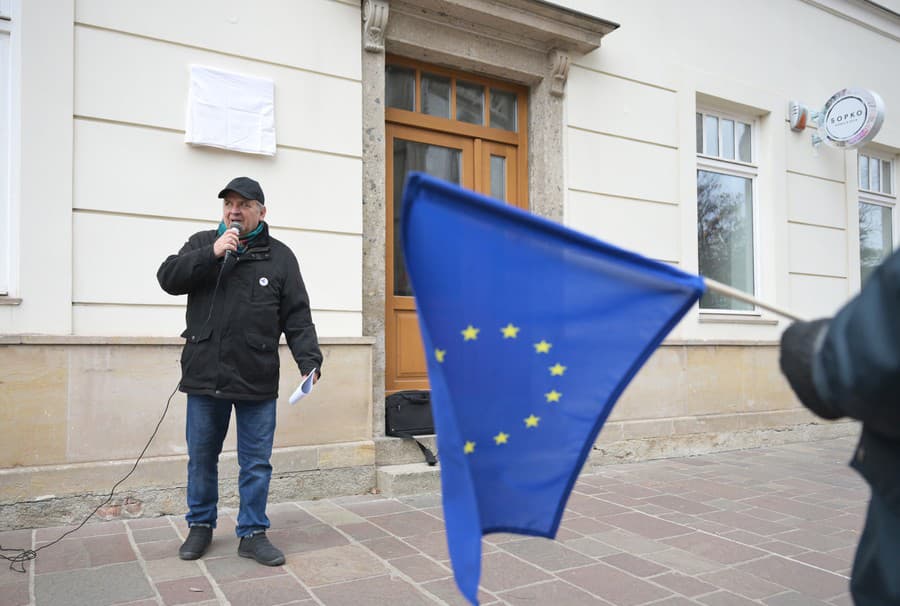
(207, 424)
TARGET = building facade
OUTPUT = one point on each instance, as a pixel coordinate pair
(660, 127)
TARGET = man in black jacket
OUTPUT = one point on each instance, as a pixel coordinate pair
(849, 366)
(244, 290)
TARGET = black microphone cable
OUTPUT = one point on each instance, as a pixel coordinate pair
(21, 555)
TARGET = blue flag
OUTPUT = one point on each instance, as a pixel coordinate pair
(532, 331)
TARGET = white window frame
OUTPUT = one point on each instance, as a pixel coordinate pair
(9, 19)
(878, 198)
(877, 192)
(737, 168)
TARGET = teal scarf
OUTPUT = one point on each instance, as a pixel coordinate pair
(245, 241)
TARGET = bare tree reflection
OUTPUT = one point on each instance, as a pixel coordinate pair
(724, 234)
(875, 237)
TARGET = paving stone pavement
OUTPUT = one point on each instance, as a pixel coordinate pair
(775, 526)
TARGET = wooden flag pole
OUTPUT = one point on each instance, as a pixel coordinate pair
(728, 291)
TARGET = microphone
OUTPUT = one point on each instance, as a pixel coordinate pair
(237, 227)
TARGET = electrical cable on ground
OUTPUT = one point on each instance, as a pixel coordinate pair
(21, 555)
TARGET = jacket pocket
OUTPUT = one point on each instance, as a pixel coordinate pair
(262, 364)
(197, 336)
(193, 370)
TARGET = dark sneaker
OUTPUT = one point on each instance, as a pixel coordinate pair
(258, 547)
(197, 543)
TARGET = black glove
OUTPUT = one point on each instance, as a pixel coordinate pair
(797, 349)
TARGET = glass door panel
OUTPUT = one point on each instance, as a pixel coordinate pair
(442, 162)
(443, 156)
(499, 163)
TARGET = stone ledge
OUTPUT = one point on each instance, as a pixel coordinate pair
(619, 427)
(523, 22)
(724, 318)
(720, 343)
(397, 451)
(142, 502)
(409, 479)
(20, 484)
(415, 478)
(664, 447)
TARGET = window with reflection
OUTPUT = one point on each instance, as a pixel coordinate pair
(724, 137)
(441, 162)
(469, 102)
(726, 176)
(498, 177)
(877, 199)
(400, 87)
(503, 110)
(449, 97)
(876, 237)
(876, 174)
(436, 95)
(725, 235)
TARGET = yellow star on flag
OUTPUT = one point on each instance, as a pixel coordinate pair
(553, 396)
(542, 347)
(469, 448)
(509, 331)
(439, 354)
(557, 370)
(532, 421)
(470, 333)
(501, 438)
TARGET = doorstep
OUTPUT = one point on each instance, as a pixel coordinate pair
(408, 479)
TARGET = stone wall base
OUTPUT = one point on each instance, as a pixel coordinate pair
(137, 502)
(644, 449)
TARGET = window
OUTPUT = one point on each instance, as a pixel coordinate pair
(726, 182)
(877, 199)
(876, 174)
(6, 98)
(414, 89)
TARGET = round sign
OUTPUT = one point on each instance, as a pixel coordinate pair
(851, 117)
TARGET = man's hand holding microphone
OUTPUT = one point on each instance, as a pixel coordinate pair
(228, 242)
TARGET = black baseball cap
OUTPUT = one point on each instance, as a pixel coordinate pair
(246, 187)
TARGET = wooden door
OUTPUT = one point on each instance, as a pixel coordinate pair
(444, 156)
(462, 128)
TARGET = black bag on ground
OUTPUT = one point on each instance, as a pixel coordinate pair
(408, 414)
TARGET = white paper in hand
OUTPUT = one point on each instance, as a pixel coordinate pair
(306, 386)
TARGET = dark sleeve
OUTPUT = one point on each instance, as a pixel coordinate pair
(799, 344)
(857, 368)
(193, 264)
(296, 320)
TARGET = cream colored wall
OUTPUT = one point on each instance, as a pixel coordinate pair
(631, 103)
(42, 181)
(630, 133)
(632, 128)
(116, 190)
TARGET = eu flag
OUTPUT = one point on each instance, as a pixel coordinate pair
(532, 331)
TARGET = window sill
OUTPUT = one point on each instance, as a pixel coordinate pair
(726, 318)
(4, 300)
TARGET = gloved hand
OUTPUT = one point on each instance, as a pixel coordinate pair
(798, 346)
